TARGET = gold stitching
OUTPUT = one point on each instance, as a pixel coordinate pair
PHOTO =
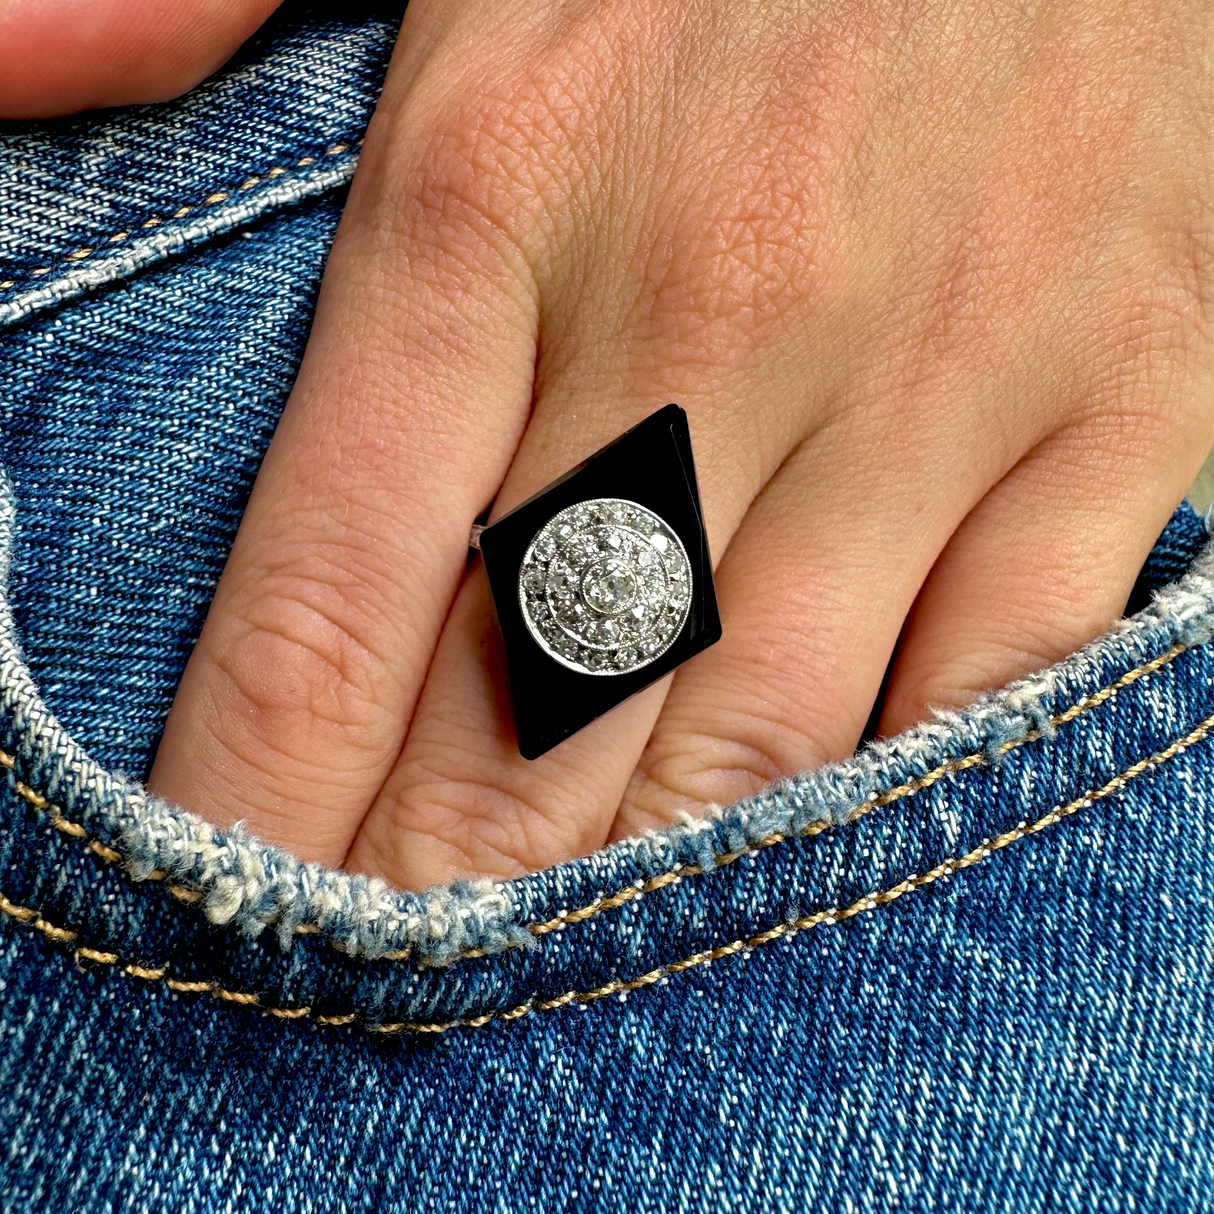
(289, 1013)
(211, 200)
(139, 971)
(93, 954)
(639, 888)
(189, 988)
(869, 902)
(952, 767)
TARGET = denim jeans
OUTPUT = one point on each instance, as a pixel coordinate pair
(971, 968)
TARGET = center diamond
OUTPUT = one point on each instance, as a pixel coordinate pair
(609, 586)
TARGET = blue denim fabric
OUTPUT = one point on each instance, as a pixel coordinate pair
(971, 968)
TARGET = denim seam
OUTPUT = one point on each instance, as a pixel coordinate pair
(181, 212)
(122, 253)
(869, 902)
(605, 902)
(875, 801)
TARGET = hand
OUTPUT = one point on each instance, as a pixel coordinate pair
(934, 283)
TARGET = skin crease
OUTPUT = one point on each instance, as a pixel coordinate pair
(934, 282)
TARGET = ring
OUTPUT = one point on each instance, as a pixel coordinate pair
(602, 582)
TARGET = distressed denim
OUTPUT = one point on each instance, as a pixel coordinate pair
(972, 968)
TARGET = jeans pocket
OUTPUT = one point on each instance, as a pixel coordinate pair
(166, 897)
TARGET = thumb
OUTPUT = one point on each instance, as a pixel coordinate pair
(61, 56)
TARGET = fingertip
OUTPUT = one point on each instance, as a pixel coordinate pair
(63, 56)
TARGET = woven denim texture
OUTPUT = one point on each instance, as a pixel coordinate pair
(903, 981)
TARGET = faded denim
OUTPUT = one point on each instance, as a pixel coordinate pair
(971, 968)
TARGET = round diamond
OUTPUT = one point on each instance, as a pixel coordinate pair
(562, 584)
(609, 586)
(605, 632)
(573, 611)
(533, 580)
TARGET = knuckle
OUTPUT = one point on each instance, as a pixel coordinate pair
(1151, 382)
(472, 808)
(1160, 315)
(721, 757)
(744, 268)
(1165, 322)
(472, 829)
(491, 168)
(294, 677)
(696, 771)
(744, 254)
(435, 848)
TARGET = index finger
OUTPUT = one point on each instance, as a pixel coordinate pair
(411, 399)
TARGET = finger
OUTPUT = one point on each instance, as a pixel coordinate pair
(410, 401)
(1043, 565)
(61, 56)
(812, 590)
(462, 800)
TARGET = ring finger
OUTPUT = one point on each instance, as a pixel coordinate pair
(462, 800)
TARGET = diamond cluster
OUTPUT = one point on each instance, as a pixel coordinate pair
(605, 586)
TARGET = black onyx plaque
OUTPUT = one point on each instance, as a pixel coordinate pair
(602, 581)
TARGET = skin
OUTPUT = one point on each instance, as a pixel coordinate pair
(60, 56)
(934, 282)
